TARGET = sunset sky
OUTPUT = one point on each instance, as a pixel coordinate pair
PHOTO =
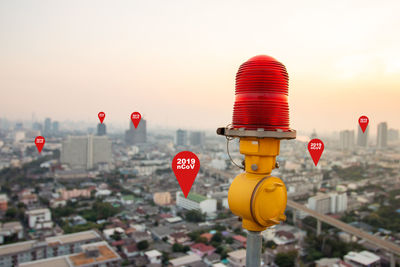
(175, 61)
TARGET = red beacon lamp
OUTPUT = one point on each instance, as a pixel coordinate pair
(261, 96)
(260, 120)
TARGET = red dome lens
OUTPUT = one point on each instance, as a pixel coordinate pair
(261, 95)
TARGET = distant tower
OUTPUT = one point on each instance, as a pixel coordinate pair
(101, 129)
(136, 136)
(197, 138)
(362, 138)
(382, 135)
(86, 152)
(346, 140)
(56, 126)
(47, 127)
(393, 135)
(181, 137)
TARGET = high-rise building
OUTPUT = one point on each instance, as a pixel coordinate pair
(320, 203)
(55, 129)
(181, 137)
(101, 129)
(362, 137)
(197, 138)
(382, 135)
(346, 140)
(393, 135)
(47, 127)
(338, 202)
(328, 203)
(86, 152)
(138, 135)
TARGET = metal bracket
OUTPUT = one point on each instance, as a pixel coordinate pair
(260, 133)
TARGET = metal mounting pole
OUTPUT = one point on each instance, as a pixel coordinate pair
(253, 250)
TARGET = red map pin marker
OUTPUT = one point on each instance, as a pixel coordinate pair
(186, 165)
(101, 116)
(315, 147)
(363, 121)
(39, 142)
(135, 117)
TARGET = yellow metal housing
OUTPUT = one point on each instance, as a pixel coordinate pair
(255, 196)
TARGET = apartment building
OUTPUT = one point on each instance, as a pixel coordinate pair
(98, 254)
(17, 253)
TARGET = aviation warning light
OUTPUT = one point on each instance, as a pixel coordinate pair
(260, 120)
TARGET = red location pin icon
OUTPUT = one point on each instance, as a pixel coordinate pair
(101, 116)
(315, 147)
(186, 165)
(39, 142)
(135, 117)
(363, 121)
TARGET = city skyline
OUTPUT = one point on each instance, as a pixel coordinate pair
(176, 62)
(120, 128)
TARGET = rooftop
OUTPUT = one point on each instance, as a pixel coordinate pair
(50, 262)
(238, 254)
(131, 248)
(327, 261)
(153, 253)
(11, 226)
(287, 235)
(207, 235)
(179, 235)
(105, 254)
(202, 247)
(363, 257)
(111, 231)
(79, 259)
(195, 197)
(185, 260)
(76, 237)
(174, 219)
(16, 247)
(240, 238)
(321, 196)
(128, 197)
(37, 211)
(213, 257)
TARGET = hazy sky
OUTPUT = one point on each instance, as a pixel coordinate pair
(175, 61)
